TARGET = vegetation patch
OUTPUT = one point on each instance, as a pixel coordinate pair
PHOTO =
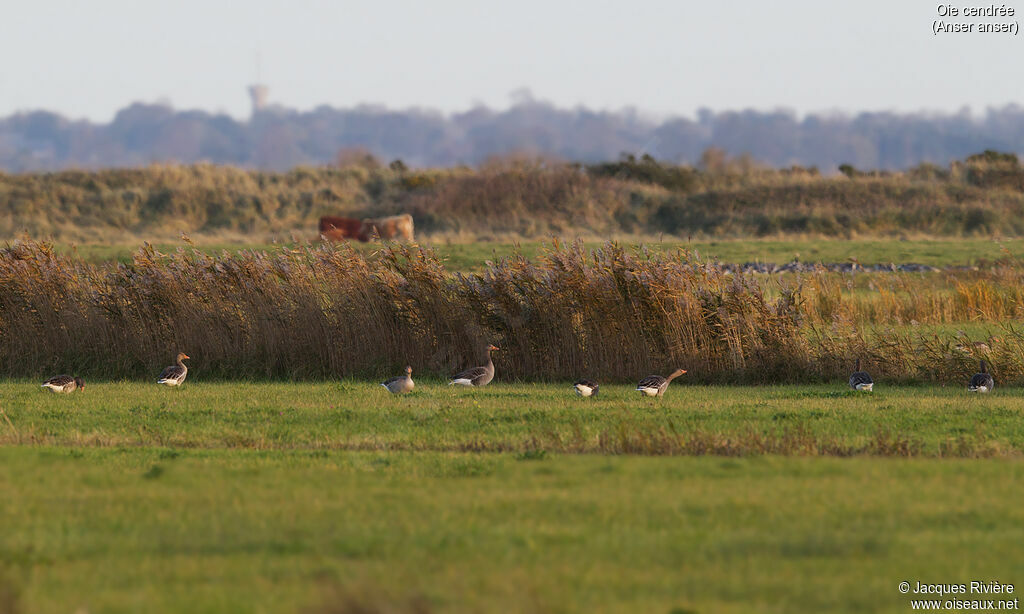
(617, 313)
(286, 531)
(520, 198)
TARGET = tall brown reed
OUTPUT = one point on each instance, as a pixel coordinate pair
(330, 311)
(610, 313)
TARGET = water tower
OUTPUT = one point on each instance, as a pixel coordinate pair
(258, 94)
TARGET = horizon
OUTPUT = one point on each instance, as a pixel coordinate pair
(659, 59)
(519, 102)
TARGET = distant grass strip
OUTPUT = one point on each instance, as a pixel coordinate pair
(523, 419)
(469, 256)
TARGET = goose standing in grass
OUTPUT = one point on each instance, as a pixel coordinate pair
(477, 376)
(175, 374)
(655, 385)
(982, 382)
(401, 383)
(64, 384)
(586, 388)
(861, 380)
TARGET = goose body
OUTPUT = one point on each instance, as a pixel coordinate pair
(861, 380)
(586, 388)
(982, 382)
(175, 374)
(64, 384)
(401, 383)
(477, 376)
(655, 385)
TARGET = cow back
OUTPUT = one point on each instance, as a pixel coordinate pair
(392, 227)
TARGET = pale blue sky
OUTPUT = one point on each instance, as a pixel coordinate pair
(88, 59)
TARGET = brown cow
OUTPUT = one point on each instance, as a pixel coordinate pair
(340, 228)
(393, 227)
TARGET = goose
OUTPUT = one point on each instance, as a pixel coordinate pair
(586, 388)
(477, 376)
(175, 374)
(401, 383)
(64, 384)
(860, 380)
(980, 347)
(655, 385)
(982, 382)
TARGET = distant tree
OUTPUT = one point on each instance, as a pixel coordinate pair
(990, 156)
(991, 169)
(849, 171)
(648, 170)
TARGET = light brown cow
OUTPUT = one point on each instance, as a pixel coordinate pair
(393, 227)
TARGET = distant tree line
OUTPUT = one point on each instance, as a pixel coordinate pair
(280, 139)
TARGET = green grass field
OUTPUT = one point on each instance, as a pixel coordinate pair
(469, 256)
(156, 530)
(337, 497)
(522, 418)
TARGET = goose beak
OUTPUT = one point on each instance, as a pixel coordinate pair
(186, 356)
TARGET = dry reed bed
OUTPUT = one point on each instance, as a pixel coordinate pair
(329, 311)
(993, 295)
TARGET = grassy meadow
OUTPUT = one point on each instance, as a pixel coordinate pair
(337, 497)
(520, 418)
(225, 531)
(162, 530)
